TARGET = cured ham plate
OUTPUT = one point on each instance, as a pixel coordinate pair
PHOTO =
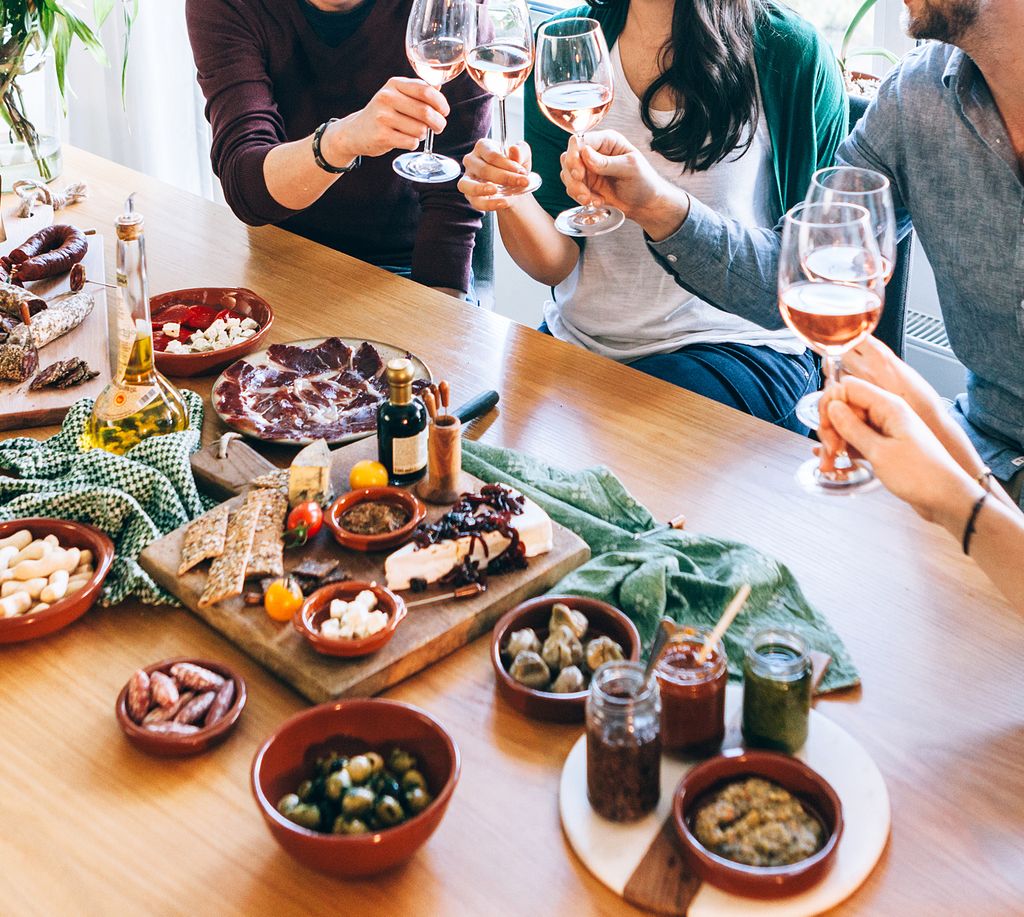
(323, 388)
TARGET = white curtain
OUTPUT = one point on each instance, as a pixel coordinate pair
(161, 131)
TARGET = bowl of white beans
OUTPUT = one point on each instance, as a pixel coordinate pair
(51, 573)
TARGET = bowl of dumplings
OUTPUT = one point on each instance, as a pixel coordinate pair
(545, 651)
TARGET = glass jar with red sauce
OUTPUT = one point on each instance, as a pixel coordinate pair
(692, 694)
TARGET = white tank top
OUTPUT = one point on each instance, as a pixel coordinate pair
(621, 303)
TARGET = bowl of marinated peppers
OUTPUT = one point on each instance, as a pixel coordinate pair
(355, 787)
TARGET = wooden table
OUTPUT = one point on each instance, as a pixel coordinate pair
(90, 825)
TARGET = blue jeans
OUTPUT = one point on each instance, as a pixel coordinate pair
(757, 380)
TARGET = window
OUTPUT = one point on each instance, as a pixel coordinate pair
(833, 16)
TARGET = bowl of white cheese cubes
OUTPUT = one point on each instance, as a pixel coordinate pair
(200, 331)
(350, 619)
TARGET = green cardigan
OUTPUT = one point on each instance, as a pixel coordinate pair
(802, 93)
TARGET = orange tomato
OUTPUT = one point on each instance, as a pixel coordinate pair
(367, 473)
(282, 599)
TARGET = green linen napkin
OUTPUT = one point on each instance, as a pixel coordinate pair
(688, 577)
(134, 498)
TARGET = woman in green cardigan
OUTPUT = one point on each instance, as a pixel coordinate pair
(741, 104)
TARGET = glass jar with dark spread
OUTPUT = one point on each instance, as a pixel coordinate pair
(776, 691)
(623, 742)
(692, 694)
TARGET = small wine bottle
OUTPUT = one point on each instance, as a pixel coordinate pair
(138, 402)
(402, 428)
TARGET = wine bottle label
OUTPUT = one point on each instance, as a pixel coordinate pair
(409, 454)
(128, 400)
(125, 339)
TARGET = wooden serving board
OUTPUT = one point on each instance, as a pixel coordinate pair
(643, 861)
(25, 408)
(426, 635)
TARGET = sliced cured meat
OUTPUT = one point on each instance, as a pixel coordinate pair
(367, 361)
(334, 353)
(304, 360)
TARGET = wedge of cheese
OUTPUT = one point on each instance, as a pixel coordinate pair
(410, 562)
(309, 477)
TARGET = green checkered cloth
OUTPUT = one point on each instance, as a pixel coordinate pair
(688, 577)
(134, 498)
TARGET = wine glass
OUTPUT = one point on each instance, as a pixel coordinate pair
(501, 38)
(435, 43)
(871, 190)
(831, 289)
(574, 90)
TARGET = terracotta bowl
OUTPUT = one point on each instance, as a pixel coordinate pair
(396, 496)
(350, 727)
(317, 608)
(172, 746)
(757, 881)
(59, 614)
(605, 621)
(239, 300)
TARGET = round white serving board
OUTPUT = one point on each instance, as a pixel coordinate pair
(612, 852)
(260, 358)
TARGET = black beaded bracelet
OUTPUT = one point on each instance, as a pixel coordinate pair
(319, 156)
(969, 531)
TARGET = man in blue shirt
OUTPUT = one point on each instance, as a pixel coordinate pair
(947, 128)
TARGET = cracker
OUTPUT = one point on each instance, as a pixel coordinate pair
(267, 555)
(276, 479)
(227, 572)
(204, 538)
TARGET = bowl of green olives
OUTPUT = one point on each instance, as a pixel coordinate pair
(545, 650)
(355, 787)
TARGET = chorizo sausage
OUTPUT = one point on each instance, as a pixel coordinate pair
(51, 251)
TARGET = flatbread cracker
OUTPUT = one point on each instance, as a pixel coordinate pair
(227, 572)
(276, 479)
(267, 555)
(204, 538)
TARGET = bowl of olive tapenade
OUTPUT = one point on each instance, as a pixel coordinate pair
(545, 650)
(757, 823)
(374, 518)
(355, 787)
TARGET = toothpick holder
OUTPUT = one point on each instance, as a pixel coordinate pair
(444, 461)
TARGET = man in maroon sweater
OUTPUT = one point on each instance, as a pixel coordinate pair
(274, 71)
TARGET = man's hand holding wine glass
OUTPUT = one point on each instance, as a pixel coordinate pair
(489, 171)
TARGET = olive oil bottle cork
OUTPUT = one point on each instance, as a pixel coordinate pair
(402, 427)
(139, 402)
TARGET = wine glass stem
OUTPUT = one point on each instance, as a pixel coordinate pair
(428, 144)
(588, 209)
(833, 366)
(502, 127)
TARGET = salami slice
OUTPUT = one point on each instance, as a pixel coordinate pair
(53, 373)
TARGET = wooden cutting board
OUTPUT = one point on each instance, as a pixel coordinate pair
(426, 635)
(22, 407)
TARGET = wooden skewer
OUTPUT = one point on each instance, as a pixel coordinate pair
(446, 392)
(463, 592)
(676, 522)
(431, 404)
(731, 610)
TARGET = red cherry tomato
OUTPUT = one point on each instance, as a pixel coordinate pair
(303, 523)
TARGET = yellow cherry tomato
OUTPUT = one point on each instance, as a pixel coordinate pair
(282, 599)
(367, 473)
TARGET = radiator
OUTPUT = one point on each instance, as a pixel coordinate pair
(928, 351)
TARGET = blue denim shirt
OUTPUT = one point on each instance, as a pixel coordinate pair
(935, 131)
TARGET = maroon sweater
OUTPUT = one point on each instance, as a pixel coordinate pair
(269, 79)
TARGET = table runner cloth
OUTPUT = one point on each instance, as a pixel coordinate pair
(687, 576)
(134, 498)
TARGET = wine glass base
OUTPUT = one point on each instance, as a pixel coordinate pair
(581, 223)
(807, 410)
(859, 478)
(426, 167)
(534, 183)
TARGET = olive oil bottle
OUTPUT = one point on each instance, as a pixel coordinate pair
(402, 427)
(138, 402)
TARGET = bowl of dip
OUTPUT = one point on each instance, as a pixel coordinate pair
(784, 850)
(374, 518)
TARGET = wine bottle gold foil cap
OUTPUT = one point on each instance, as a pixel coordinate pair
(400, 373)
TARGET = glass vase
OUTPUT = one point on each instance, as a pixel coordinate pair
(30, 145)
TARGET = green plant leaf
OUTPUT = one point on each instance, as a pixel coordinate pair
(101, 9)
(875, 52)
(858, 17)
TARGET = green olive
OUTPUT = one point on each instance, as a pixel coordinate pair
(343, 825)
(413, 778)
(376, 762)
(305, 790)
(389, 811)
(400, 761)
(357, 801)
(287, 803)
(417, 799)
(308, 816)
(337, 783)
(359, 768)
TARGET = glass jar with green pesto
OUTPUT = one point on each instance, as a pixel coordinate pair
(776, 691)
